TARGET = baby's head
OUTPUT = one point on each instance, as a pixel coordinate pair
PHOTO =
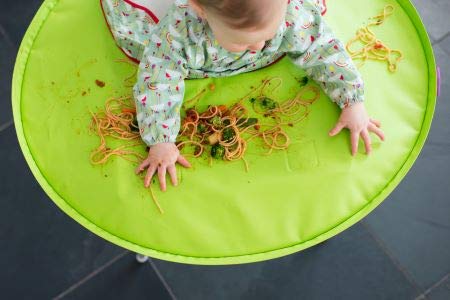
(240, 25)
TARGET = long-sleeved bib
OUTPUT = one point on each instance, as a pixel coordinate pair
(182, 46)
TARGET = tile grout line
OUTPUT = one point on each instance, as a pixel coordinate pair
(6, 35)
(164, 282)
(430, 289)
(441, 38)
(396, 263)
(6, 125)
(438, 44)
(91, 275)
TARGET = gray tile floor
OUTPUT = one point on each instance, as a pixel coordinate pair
(400, 251)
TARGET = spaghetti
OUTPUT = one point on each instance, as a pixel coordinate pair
(224, 131)
(129, 81)
(372, 48)
(228, 130)
(117, 121)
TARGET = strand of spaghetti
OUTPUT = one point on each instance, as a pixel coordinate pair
(180, 145)
(134, 64)
(212, 113)
(246, 164)
(387, 11)
(269, 81)
(195, 99)
(236, 153)
(155, 200)
(253, 90)
(107, 152)
(262, 86)
(186, 127)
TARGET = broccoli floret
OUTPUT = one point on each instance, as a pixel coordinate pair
(268, 103)
(228, 134)
(201, 128)
(216, 121)
(217, 151)
(304, 80)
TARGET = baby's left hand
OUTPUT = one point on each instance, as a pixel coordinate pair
(355, 118)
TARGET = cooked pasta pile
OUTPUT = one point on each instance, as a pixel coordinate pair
(225, 132)
(220, 132)
(372, 48)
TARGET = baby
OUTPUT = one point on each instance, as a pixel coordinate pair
(215, 38)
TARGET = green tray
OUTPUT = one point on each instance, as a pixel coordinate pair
(287, 202)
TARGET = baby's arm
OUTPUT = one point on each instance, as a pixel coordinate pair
(159, 90)
(312, 45)
(158, 94)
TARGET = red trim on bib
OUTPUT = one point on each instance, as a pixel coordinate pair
(109, 27)
(145, 9)
(324, 11)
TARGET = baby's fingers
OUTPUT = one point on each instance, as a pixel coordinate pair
(376, 122)
(148, 177)
(377, 131)
(173, 174)
(183, 161)
(162, 177)
(365, 136)
(142, 166)
(337, 128)
(354, 139)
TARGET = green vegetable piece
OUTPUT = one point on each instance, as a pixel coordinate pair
(228, 134)
(249, 122)
(304, 80)
(268, 103)
(201, 128)
(216, 121)
(217, 151)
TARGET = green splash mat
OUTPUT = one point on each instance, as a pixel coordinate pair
(221, 215)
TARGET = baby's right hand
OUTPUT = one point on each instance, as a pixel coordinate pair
(163, 157)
